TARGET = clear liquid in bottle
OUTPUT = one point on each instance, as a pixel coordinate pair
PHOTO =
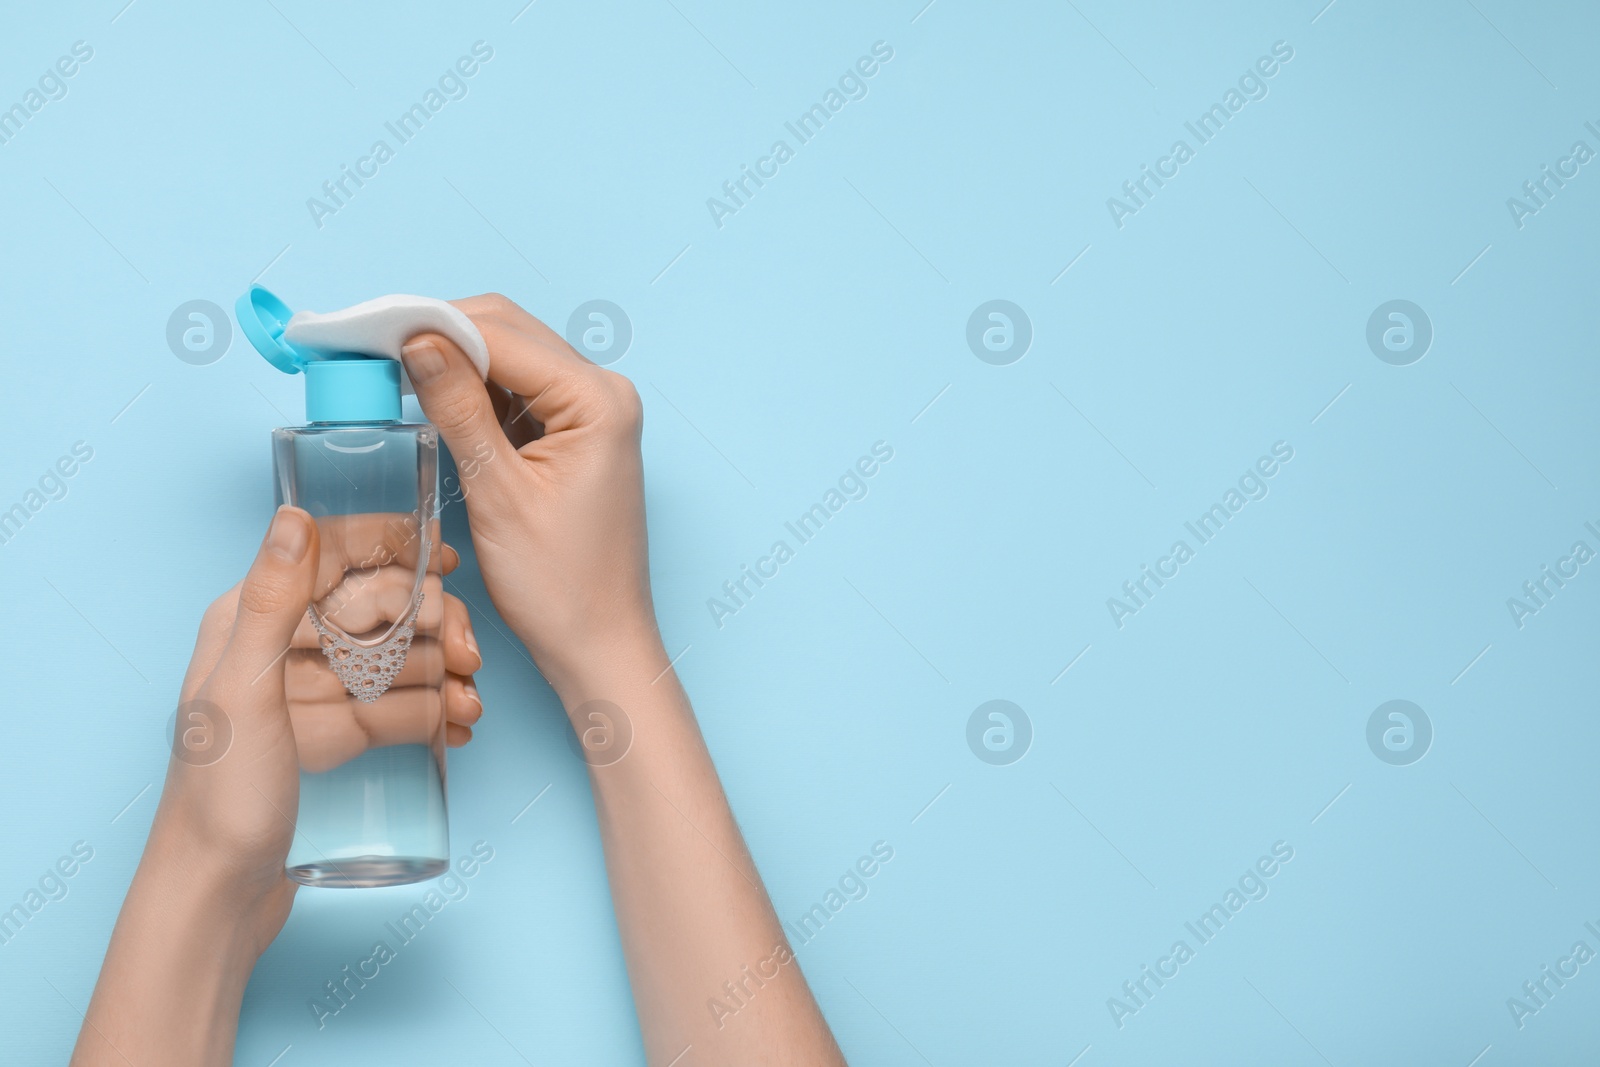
(365, 676)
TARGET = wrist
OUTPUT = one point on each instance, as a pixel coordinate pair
(627, 660)
(238, 906)
(175, 973)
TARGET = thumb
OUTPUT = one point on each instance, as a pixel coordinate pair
(272, 599)
(455, 400)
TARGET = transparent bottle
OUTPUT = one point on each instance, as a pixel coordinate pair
(365, 674)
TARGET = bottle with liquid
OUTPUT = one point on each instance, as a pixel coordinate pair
(365, 674)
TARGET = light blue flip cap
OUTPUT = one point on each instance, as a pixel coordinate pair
(340, 386)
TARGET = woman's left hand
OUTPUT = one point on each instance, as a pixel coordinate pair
(257, 707)
(259, 703)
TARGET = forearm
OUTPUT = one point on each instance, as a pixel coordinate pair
(707, 958)
(174, 975)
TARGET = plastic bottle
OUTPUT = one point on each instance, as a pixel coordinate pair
(365, 675)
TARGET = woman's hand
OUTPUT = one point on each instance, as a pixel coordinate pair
(554, 485)
(232, 783)
(258, 705)
(553, 478)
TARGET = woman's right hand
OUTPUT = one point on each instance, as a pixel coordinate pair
(548, 455)
(557, 512)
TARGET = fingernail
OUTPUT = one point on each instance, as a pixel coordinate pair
(424, 362)
(472, 694)
(289, 536)
(472, 646)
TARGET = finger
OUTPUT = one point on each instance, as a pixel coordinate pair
(456, 735)
(516, 420)
(365, 541)
(456, 401)
(452, 559)
(496, 312)
(430, 656)
(272, 598)
(462, 704)
(367, 605)
(555, 386)
(309, 677)
(331, 728)
(501, 401)
(461, 655)
(332, 732)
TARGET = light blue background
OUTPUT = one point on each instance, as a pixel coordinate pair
(771, 353)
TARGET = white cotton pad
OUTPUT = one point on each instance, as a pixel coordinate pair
(379, 327)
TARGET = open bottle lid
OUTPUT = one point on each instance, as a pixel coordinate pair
(340, 386)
